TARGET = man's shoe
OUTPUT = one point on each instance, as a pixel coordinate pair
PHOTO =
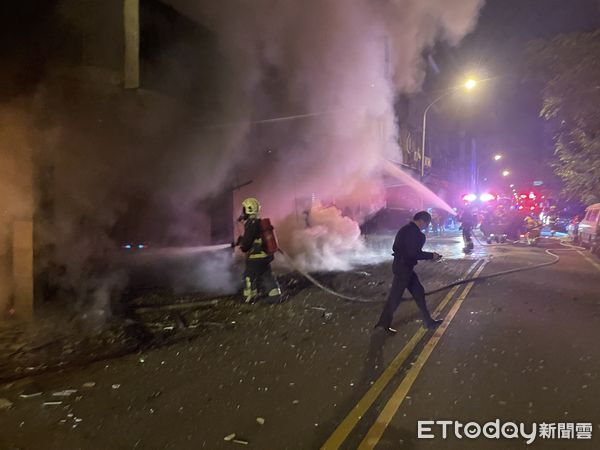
(433, 323)
(389, 330)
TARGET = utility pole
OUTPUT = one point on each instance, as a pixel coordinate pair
(131, 22)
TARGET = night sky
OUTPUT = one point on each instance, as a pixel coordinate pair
(505, 115)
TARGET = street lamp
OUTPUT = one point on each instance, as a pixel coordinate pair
(505, 173)
(468, 85)
(497, 157)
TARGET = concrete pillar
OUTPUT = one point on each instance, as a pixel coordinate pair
(131, 22)
(6, 283)
(22, 265)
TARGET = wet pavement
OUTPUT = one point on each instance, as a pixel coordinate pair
(524, 352)
(520, 348)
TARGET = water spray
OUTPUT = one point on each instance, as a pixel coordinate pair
(179, 251)
(417, 186)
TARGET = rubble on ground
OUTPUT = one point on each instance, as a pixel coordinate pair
(161, 318)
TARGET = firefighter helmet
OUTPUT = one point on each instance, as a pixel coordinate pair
(251, 207)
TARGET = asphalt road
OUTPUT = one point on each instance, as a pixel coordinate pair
(521, 348)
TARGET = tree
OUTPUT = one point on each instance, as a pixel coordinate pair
(569, 67)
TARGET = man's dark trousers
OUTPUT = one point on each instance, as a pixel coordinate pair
(404, 278)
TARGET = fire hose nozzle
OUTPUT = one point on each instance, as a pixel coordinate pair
(234, 244)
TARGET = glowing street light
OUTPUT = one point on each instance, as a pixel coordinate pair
(505, 173)
(497, 157)
(469, 85)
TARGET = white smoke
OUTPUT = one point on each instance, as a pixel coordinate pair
(208, 269)
(324, 240)
(342, 62)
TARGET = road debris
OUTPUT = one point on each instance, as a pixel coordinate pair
(30, 395)
(229, 437)
(260, 420)
(5, 404)
(155, 394)
(52, 403)
(64, 393)
(240, 441)
(89, 384)
(116, 386)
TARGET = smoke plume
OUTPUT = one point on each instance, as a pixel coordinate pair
(323, 73)
(343, 62)
(324, 241)
(333, 68)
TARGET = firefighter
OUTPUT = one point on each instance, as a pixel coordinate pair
(435, 222)
(408, 249)
(533, 229)
(258, 277)
(468, 223)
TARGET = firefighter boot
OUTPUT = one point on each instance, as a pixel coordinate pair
(274, 295)
(250, 291)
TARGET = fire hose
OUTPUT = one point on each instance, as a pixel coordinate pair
(555, 259)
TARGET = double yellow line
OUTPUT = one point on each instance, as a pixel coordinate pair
(376, 431)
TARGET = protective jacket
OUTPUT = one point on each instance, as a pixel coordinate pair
(251, 242)
(408, 247)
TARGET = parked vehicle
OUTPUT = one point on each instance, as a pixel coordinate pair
(589, 228)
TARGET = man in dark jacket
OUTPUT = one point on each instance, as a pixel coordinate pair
(408, 249)
(258, 277)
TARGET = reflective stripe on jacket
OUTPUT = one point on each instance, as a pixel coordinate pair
(251, 242)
